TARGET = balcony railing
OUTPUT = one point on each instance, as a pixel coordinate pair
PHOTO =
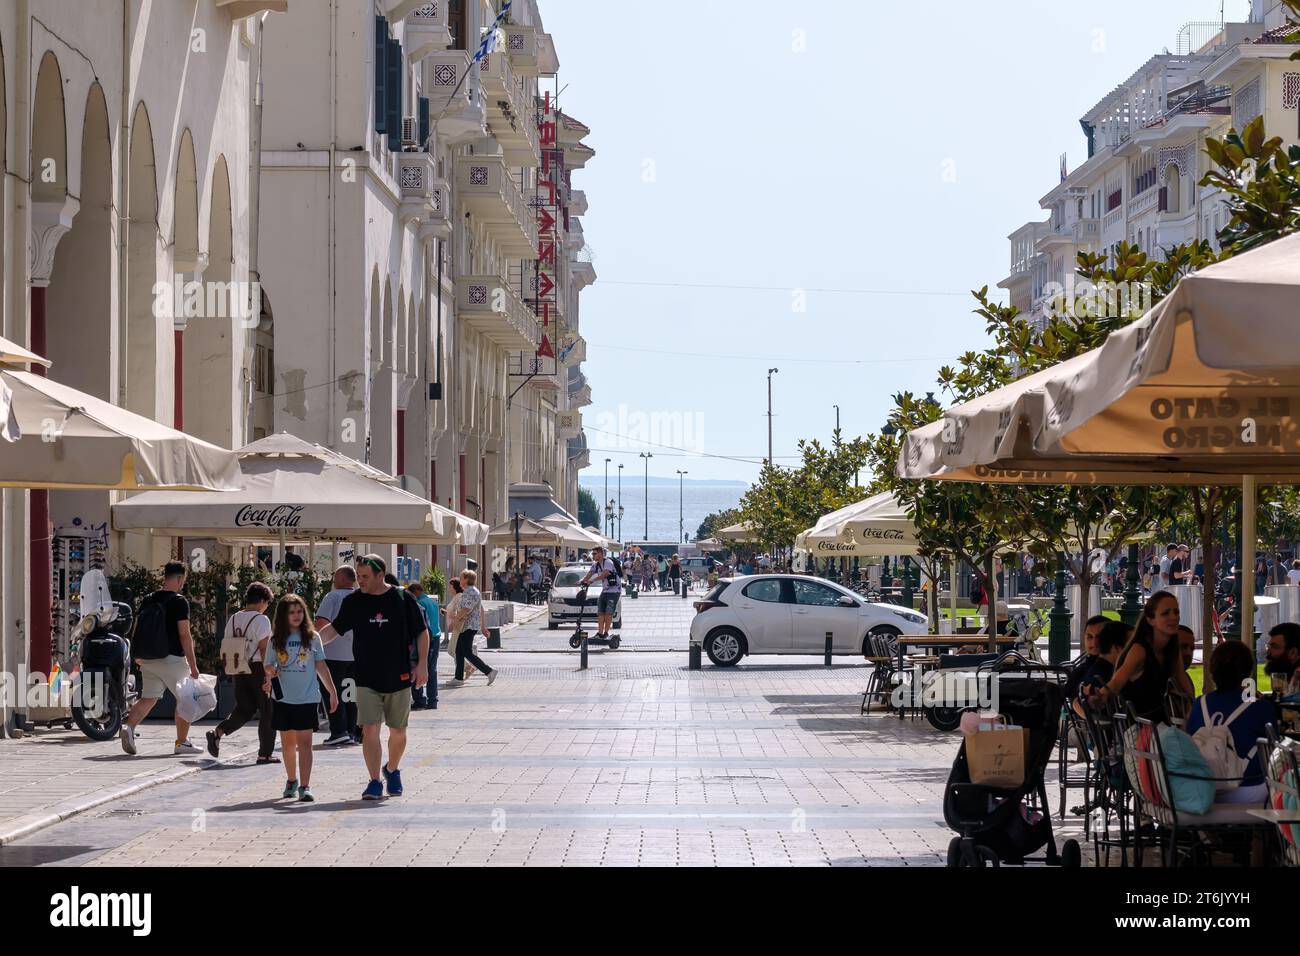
(1086, 231)
(423, 194)
(521, 44)
(488, 304)
(510, 113)
(426, 29)
(490, 194)
(1142, 203)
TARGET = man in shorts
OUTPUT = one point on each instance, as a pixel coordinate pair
(603, 569)
(165, 673)
(384, 620)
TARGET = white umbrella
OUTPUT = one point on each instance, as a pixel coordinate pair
(296, 496)
(878, 525)
(58, 437)
(1203, 390)
(574, 536)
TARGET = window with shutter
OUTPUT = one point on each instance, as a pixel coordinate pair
(424, 123)
(381, 74)
(393, 93)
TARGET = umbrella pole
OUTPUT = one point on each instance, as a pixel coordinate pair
(1247, 560)
(952, 591)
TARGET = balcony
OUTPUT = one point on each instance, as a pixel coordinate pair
(541, 372)
(511, 118)
(489, 305)
(578, 203)
(491, 195)
(464, 117)
(1150, 199)
(1087, 232)
(1059, 234)
(579, 389)
(424, 196)
(426, 30)
(521, 43)
(573, 351)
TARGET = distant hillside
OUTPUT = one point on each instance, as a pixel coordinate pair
(635, 481)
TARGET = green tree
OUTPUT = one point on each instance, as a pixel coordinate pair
(716, 521)
(786, 501)
(588, 509)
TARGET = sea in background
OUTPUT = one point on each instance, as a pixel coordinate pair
(698, 502)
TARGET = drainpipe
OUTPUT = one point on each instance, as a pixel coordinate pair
(333, 280)
(255, 210)
(123, 217)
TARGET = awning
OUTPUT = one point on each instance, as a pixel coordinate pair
(874, 526)
(295, 494)
(55, 436)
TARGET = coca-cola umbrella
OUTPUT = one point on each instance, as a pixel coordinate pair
(302, 493)
(877, 526)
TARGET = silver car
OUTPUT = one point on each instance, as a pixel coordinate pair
(562, 600)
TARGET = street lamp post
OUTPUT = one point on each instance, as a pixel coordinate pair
(620, 501)
(647, 456)
(681, 500)
(770, 373)
(607, 461)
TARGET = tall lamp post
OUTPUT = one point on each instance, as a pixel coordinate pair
(770, 373)
(607, 461)
(681, 500)
(620, 502)
(647, 456)
(609, 518)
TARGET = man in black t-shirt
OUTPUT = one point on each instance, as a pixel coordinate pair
(384, 620)
(165, 673)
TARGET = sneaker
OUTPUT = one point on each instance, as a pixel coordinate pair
(185, 747)
(304, 795)
(394, 780)
(127, 736)
(374, 791)
(492, 677)
(214, 743)
(290, 789)
(339, 739)
(456, 682)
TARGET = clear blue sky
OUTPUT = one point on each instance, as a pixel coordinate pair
(894, 152)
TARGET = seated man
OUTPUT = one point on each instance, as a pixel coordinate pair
(1247, 717)
(1110, 640)
(1283, 663)
(1085, 662)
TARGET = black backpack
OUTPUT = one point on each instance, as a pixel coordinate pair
(618, 568)
(149, 640)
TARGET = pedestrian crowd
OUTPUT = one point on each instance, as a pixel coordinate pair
(367, 656)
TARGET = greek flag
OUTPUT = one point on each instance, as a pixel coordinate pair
(489, 35)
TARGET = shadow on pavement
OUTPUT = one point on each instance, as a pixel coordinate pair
(42, 855)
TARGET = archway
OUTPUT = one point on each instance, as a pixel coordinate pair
(215, 341)
(1173, 188)
(186, 269)
(80, 317)
(146, 384)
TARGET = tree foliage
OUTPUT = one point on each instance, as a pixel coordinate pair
(588, 510)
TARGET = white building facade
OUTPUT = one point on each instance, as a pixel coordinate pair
(126, 192)
(418, 245)
(1146, 151)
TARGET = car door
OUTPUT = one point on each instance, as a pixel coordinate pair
(816, 611)
(764, 613)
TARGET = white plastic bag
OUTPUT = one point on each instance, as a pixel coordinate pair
(195, 699)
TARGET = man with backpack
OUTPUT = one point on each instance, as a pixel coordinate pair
(161, 645)
(610, 574)
(243, 650)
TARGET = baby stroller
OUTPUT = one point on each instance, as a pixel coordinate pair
(998, 825)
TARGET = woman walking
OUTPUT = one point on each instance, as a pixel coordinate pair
(465, 619)
(295, 659)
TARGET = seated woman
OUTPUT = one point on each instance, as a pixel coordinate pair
(1246, 716)
(1150, 662)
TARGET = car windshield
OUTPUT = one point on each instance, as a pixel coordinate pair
(568, 579)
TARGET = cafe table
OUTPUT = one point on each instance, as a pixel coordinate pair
(948, 640)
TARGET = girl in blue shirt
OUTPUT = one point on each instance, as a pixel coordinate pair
(295, 659)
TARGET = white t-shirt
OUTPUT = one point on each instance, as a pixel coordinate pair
(339, 649)
(256, 628)
(1293, 576)
(1164, 570)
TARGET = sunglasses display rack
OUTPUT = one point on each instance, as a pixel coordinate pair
(74, 555)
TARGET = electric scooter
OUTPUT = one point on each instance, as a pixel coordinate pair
(579, 635)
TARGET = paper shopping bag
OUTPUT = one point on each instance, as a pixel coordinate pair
(996, 757)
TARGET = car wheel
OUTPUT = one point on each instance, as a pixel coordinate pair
(885, 630)
(944, 718)
(725, 647)
(552, 625)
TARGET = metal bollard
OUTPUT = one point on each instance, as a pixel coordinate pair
(695, 662)
(686, 591)
(494, 639)
(829, 637)
(582, 666)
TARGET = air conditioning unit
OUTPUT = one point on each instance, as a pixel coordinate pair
(410, 131)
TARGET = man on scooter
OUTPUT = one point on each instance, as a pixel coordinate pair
(604, 569)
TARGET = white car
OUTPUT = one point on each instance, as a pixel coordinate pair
(562, 601)
(791, 614)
